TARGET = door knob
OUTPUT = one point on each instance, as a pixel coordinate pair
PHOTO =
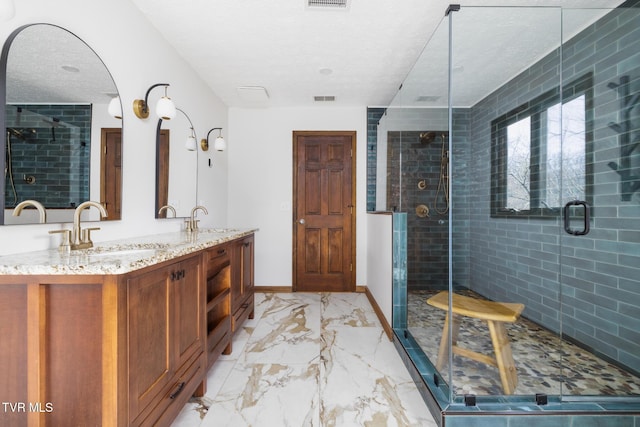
(301, 221)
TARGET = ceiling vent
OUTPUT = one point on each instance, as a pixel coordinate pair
(324, 98)
(427, 98)
(253, 94)
(328, 4)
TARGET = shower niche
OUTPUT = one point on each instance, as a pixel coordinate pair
(520, 118)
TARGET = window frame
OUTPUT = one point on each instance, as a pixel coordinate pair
(535, 109)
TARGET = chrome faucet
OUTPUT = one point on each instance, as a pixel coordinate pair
(18, 209)
(192, 223)
(167, 208)
(82, 238)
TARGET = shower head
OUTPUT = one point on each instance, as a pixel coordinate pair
(21, 134)
(427, 137)
(432, 136)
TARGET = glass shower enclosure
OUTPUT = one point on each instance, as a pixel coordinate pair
(511, 158)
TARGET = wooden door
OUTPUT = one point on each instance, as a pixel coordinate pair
(324, 197)
(111, 172)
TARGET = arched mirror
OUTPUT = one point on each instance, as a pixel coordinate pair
(177, 167)
(61, 146)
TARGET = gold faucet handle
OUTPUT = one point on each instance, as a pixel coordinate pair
(65, 243)
(86, 234)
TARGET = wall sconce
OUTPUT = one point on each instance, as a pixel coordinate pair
(219, 144)
(115, 108)
(191, 143)
(165, 109)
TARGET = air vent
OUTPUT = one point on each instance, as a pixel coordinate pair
(324, 98)
(328, 4)
(427, 98)
(253, 94)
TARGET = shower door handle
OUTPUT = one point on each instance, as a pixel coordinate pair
(567, 219)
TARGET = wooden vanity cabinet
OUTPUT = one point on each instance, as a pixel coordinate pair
(165, 339)
(119, 350)
(242, 285)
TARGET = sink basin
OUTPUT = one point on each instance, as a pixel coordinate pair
(137, 249)
(124, 252)
(219, 230)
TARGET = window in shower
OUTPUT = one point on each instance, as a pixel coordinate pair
(541, 153)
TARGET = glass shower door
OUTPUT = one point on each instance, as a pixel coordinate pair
(600, 241)
(505, 77)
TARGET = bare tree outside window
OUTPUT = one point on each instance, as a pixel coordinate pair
(542, 154)
(518, 165)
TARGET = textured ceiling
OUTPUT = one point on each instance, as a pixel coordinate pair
(359, 54)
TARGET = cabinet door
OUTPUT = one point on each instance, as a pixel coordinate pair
(150, 332)
(189, 303)
(242, 288)
(247, 266)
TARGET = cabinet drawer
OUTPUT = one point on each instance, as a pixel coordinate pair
(216, 257)
(176, 396)
(242, 313)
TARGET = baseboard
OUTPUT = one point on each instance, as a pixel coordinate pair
(266, 289)
(383, 321)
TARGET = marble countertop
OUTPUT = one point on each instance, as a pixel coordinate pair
(118, 257)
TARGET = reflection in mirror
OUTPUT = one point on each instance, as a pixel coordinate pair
(61, 146)
(177, 167)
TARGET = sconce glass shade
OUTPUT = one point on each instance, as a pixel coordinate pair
(191, 143)
(115, 108)
(220, 144)
(165, 108)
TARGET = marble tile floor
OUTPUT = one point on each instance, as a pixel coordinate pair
(309, 359)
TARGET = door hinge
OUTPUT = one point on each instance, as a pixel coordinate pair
(350, 267)
(351, 152)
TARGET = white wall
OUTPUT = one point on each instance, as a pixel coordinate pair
(380, 261)
(137, 57)
(260, 180)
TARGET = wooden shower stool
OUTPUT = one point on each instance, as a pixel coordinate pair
(495, 314)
